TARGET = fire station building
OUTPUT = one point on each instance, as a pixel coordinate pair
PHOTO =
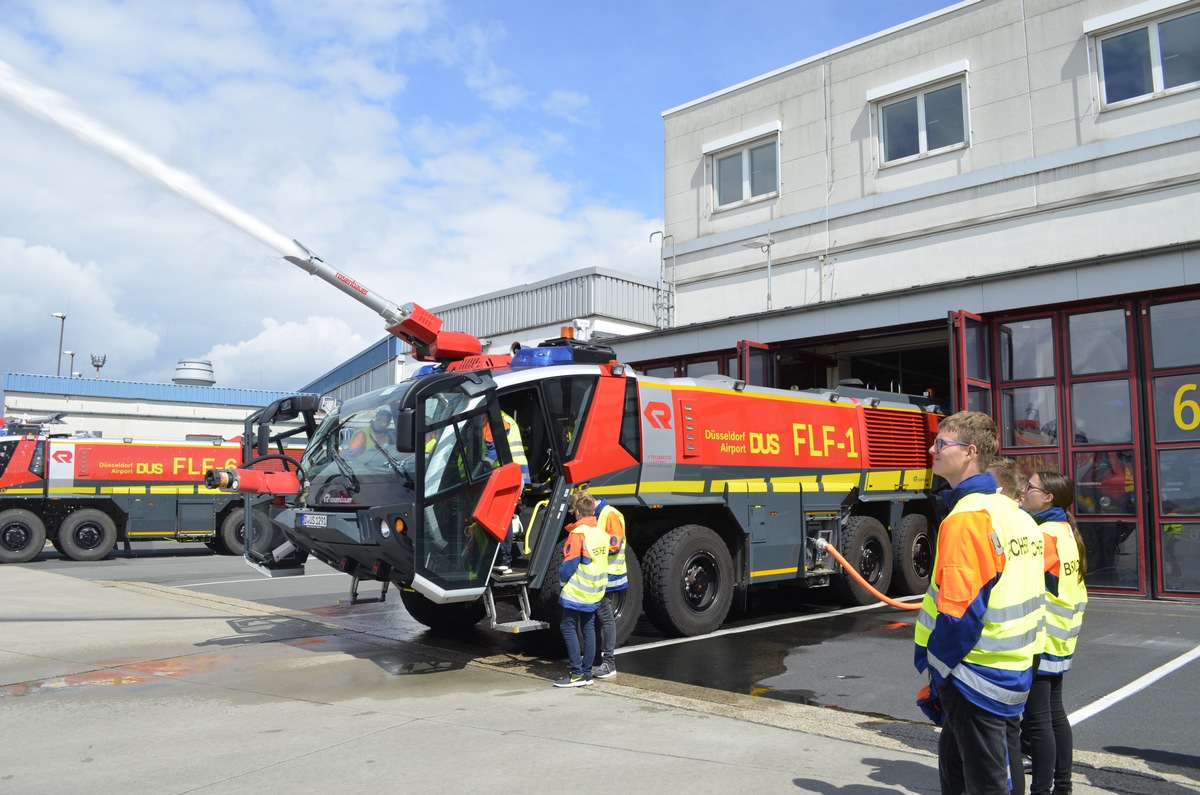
(998, 205)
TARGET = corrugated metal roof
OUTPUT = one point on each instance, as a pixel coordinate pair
(588, 292)
(137, 390)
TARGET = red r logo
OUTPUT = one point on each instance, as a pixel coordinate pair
(62, 456)
(658, 415)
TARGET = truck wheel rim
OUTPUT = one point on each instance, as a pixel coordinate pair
(88, 535)
(922, 556)
(868, 564)
(15, 536)
(701, 581)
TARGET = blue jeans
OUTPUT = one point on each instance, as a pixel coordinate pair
(606, 633)
(572, 622)
(504, 553)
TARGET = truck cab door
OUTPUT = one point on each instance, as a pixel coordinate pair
(466, 487)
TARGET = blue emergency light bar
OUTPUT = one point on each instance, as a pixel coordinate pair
(542, 357)
(562, 351)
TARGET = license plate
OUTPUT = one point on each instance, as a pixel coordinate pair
(314, 520)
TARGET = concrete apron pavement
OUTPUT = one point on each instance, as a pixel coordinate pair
(130, 687)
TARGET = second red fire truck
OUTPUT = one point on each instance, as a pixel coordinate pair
(85, 495)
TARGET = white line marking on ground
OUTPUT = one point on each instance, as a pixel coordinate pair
(765, 625)
(254, 579)
(1141, 683)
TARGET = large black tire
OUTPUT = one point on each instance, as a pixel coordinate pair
(627, 604)
(87, 535)
(688, 581)
(865, 546)
(912, 555)
(543, 603)
(22, 536)
(449, 619)
(232, 536)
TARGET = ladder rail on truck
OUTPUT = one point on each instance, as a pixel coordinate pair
(724, 486)
(87, 495)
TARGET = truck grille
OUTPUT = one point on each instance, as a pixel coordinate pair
(896, 439)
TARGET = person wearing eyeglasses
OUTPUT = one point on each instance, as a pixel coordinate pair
(1045, 727)
(977, 629)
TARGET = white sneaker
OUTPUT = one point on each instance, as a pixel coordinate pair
(502, 569)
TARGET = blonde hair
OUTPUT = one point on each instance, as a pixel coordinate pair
(977, 428)
(583, 504)
(1004, 469)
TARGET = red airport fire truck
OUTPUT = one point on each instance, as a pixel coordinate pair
(85, 495)
(724, 486)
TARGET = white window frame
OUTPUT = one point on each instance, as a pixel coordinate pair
(1104, 28)
(918, 86)
(741, 144)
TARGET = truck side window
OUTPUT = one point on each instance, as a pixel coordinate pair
(6, 452)
(567, 402)
(631, 425)
(37, 465)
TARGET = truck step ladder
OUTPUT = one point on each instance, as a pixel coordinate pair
(526, 623)
(355, 599)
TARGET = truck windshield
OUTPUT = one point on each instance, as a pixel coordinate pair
(352, 459)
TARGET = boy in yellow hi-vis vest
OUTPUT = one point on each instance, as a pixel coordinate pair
(977, 631)
(584, 577)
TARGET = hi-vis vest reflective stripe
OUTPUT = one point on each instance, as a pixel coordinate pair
(618, 571)
(590, 580)
(1064, 613)
(1014, 612)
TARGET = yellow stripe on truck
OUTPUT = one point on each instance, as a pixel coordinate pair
(885, 480)
(773, 572)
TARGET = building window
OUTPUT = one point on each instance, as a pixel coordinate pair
(751, 172)
(931, 120)
(1150, 59)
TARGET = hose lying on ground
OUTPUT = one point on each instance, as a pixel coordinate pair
(824, 546)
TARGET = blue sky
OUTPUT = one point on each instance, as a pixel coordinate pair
(432, 150)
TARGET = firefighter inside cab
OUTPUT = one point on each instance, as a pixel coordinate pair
(378, 434)
(516, 447)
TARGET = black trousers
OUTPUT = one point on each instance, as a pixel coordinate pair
(1047, 732)
(973, 748)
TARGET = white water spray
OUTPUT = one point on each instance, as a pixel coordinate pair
(50, 106)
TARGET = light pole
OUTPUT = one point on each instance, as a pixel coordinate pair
(71, 363)
(62, 322)
(765, 243)
(98, 360)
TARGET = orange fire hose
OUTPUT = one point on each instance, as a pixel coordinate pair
(823, 545)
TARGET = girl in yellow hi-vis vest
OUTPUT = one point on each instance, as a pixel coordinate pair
(1045, 725)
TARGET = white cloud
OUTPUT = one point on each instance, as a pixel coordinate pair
(315, 344)
(38, 280)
